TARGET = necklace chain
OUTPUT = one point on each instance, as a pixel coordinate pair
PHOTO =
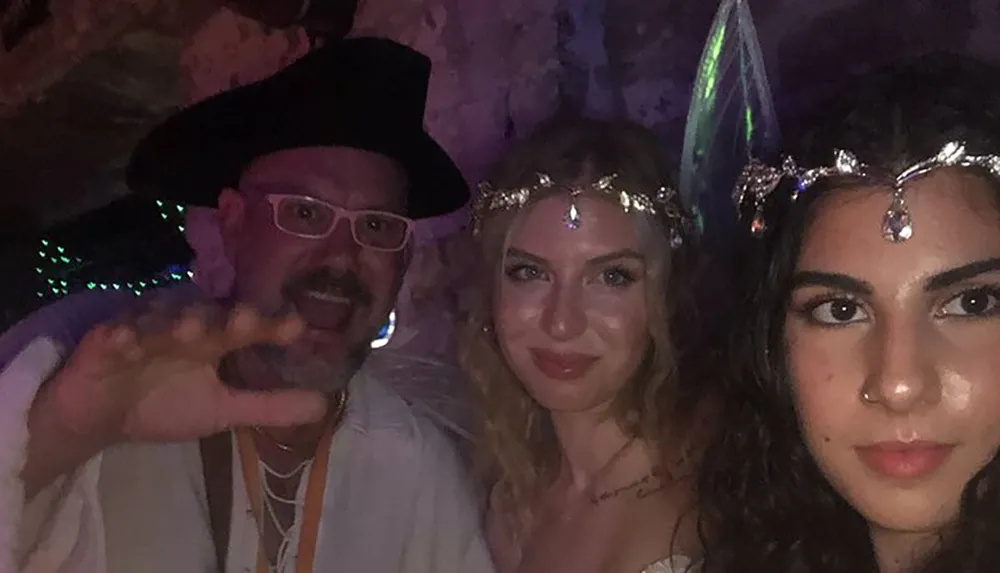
(269, 497)
(648, 479)
(338, 413)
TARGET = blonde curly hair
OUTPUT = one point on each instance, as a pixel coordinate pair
(519, 447)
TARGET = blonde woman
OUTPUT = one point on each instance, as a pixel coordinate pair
(583, 245)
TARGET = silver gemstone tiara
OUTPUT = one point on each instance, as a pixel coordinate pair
(758, 181)
(664, 203)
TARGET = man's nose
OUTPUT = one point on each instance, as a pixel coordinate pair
(339, 246)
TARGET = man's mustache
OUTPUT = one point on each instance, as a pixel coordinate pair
(329, 281)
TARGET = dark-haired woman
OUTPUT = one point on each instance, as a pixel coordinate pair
(864, 423)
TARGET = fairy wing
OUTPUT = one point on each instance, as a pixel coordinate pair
(432, 386)
(731, 116)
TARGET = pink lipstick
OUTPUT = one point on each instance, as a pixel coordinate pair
(905, 460)
(562, 365)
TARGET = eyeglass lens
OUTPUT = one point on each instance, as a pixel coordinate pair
(375, 229)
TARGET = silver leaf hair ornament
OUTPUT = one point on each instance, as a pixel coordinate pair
(731, 117)
(663, 203)
(758, 182)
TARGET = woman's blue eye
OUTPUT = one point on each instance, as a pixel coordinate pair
(618, 277)
(522, 272)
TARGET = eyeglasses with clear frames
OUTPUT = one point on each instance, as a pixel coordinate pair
(311, 218)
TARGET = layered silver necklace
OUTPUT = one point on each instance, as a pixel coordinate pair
(270, 499)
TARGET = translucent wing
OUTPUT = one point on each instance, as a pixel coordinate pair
(731, 115)
(431, 386)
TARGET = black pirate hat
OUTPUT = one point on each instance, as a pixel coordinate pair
(363, 93)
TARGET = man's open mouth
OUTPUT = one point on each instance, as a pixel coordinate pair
(324, 310)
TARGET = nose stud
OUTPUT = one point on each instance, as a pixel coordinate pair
(868, 397)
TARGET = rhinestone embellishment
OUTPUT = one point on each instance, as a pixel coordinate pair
(757, 183)
(664, 204)
(572, 217)
(897, 225)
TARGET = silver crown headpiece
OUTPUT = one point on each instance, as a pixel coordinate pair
(665, 204)
(758, 181)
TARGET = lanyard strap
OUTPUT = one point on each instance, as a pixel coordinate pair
(311, 512)
(217, 467)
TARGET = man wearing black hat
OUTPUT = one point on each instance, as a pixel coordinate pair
(318, 173)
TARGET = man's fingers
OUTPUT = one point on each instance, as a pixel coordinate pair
(282, 408)
(124, 341)
(106, 350)
(108, 342)
(198, 333)
(247, 326)
(287, 329)
(190, 329)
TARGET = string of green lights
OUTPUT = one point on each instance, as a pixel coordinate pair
(62, 271)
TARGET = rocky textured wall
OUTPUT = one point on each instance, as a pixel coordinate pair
(501, 67)
(77, 29)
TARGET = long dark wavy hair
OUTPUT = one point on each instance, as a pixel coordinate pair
(766, 507)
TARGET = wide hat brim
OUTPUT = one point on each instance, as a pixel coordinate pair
(362, 93)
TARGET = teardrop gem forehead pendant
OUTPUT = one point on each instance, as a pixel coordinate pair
(572, 216)
(897, 224)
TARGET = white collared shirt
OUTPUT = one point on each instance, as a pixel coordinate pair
(397, 498)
